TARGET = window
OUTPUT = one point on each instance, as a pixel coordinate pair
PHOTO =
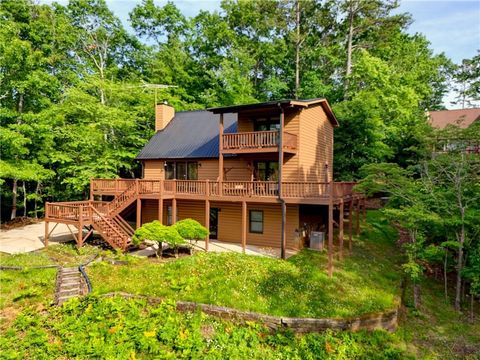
(266, 124)
(266, 170)
(181, 170)
(169, 170)
(256, 221)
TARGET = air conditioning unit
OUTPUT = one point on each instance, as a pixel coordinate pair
(317, 240)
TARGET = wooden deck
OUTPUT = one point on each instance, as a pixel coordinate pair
(257, 142)
(252, 191)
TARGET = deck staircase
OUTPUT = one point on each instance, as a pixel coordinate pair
(114, 229)
(104, 217)
(123, 200)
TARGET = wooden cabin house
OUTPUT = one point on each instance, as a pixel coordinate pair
(258, 174)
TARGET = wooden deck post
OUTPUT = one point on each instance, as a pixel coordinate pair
(207, 223)
(350, 219)
(139, 213)
(358, 217)
(244, 226)
(330, 231)
(220, 155)
(80, 227)
(174, 211)
(160, 203)
(340, 229)
(160, 210)
(45, 239)
(283, 250)
(91, 189)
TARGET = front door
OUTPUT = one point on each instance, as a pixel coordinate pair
(214, 223)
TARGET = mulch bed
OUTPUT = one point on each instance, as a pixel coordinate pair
(19, 222)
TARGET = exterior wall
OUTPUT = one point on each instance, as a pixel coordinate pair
(290, 162)
(208, 169)
(153, 170)
(230, 224)
(316, 145)
(230, 220)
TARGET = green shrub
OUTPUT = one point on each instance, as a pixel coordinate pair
(191, 229)
(159, 233)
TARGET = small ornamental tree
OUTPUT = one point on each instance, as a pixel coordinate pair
(159, 233)
(191, 229)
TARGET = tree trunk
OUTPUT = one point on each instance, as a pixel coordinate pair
(14, 200)
(24, 189)
(348, 69)
(458, 290)
(297, 48)
(416, 295)
(445, 275)
(35, 204)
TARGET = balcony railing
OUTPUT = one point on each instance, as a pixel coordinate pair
(257, 141)
(217, 189)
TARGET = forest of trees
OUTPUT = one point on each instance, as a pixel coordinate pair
(74, 105)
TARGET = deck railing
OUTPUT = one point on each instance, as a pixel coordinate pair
(207, 188)
(258, 140)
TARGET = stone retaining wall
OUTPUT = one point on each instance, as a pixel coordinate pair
(387, 320)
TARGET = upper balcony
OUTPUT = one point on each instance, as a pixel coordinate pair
(258, 142)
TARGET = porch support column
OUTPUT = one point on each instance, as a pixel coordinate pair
(330, 232)
(174, 211)
(207, 223)
(45, 239)
(160, 203)
(80, 227)
(220, 155)
(284, 231)
(244, 225)
(160, 210)
(358, 217)
(139, 213)
(91, 190)
(340, 229)
(350, 219)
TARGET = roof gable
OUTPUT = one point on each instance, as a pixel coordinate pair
(460, 117)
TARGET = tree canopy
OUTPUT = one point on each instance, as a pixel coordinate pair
(72, 105)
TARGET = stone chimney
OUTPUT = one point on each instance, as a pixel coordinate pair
(164, 113)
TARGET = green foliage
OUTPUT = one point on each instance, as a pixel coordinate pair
(364, 282)
(190, 229)
(155, 231)
(129, 329)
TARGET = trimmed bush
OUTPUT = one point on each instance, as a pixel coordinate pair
(155, 231)
(191, 229)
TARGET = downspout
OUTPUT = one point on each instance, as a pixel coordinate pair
(280, 176)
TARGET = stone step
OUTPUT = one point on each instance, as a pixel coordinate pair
(67, 292)
(69, 271)
(66, 286)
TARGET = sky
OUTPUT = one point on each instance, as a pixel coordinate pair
(451, 26)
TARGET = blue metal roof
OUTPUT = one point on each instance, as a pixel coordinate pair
(190, 134)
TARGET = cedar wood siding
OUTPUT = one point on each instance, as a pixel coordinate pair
(153, 170)
(316, 145)
(230, 220)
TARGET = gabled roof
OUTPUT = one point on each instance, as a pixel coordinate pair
(460, 117)
(275, 104)
(190, 134)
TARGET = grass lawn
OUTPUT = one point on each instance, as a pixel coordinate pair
(96, 327)
(365, 282)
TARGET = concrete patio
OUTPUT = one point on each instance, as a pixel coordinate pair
(30, 237)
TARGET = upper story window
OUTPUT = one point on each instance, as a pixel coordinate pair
(266, 123)
(181, 170)
(266, 170)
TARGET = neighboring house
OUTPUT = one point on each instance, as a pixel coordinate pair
(255, 174)
(462, 118)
